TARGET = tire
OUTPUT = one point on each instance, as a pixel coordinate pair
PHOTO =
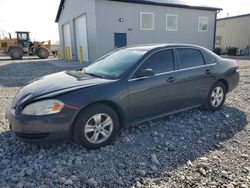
(90, 127)
(43, 53)
(216, 97)
(16, 53)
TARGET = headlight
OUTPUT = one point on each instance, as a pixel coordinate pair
(43, 107)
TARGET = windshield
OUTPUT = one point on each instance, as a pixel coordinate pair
(115, 63)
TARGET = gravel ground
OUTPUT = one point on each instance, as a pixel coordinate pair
(190, 149)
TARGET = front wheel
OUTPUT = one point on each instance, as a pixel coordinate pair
(96, 126)
(43, 53)
(216, 97)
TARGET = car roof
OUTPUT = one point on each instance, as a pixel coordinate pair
(159, 46)
(148, 47)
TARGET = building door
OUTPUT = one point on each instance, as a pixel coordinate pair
(66, 37)
(120, 40)
(81, 37)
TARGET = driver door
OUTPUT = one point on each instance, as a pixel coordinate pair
(157, 94)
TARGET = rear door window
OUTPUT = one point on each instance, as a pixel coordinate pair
(160, 62)
(189, 58)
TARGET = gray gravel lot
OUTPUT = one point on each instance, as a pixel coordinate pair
(190, 149)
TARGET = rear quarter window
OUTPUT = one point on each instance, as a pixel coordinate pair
(209, 59)
(189, 58)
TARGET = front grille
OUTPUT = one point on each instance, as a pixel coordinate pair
(32, 136)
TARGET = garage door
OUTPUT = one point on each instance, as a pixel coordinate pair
(81, 37)
(66, 37)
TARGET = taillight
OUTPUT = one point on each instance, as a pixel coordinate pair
(237, 67)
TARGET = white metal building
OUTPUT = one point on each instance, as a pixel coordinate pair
(102, 25)
(233, 32)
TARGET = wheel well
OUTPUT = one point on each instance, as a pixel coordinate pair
(111, 104)
(225, 83)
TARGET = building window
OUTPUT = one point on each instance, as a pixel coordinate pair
(147, 21)
(172, 22)
(203, 24)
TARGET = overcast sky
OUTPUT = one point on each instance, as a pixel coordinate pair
(38, 16)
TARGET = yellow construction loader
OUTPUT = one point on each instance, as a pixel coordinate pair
(17, 47)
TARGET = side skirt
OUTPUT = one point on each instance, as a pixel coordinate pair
(161, 115)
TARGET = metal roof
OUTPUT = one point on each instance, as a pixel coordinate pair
(232, 17)
(169, 3)
(172, 3)
(59, 10)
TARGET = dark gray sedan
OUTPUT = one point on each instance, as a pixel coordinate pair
(125, 86)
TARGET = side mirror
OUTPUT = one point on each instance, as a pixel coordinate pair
(145, 73)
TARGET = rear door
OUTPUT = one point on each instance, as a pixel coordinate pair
(155, 94)
(194, 76)
(210, 71)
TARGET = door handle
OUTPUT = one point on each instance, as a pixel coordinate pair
(171, 79)
(208, 71)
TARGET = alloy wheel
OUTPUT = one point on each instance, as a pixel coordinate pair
(217, 96)
(98, 128)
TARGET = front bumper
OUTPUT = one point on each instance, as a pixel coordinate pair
(40, 128)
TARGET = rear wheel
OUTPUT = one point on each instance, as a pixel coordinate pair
(96, 127)
(216, 97)
(43, 53)
(16, 53)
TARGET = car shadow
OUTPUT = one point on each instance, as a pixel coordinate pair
(18, 74)
(174, 139)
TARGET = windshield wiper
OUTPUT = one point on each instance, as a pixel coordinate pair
(92, 74)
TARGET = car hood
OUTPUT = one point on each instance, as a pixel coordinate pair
(55, 84)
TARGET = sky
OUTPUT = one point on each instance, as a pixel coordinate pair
(38, 16)
(231, 7)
